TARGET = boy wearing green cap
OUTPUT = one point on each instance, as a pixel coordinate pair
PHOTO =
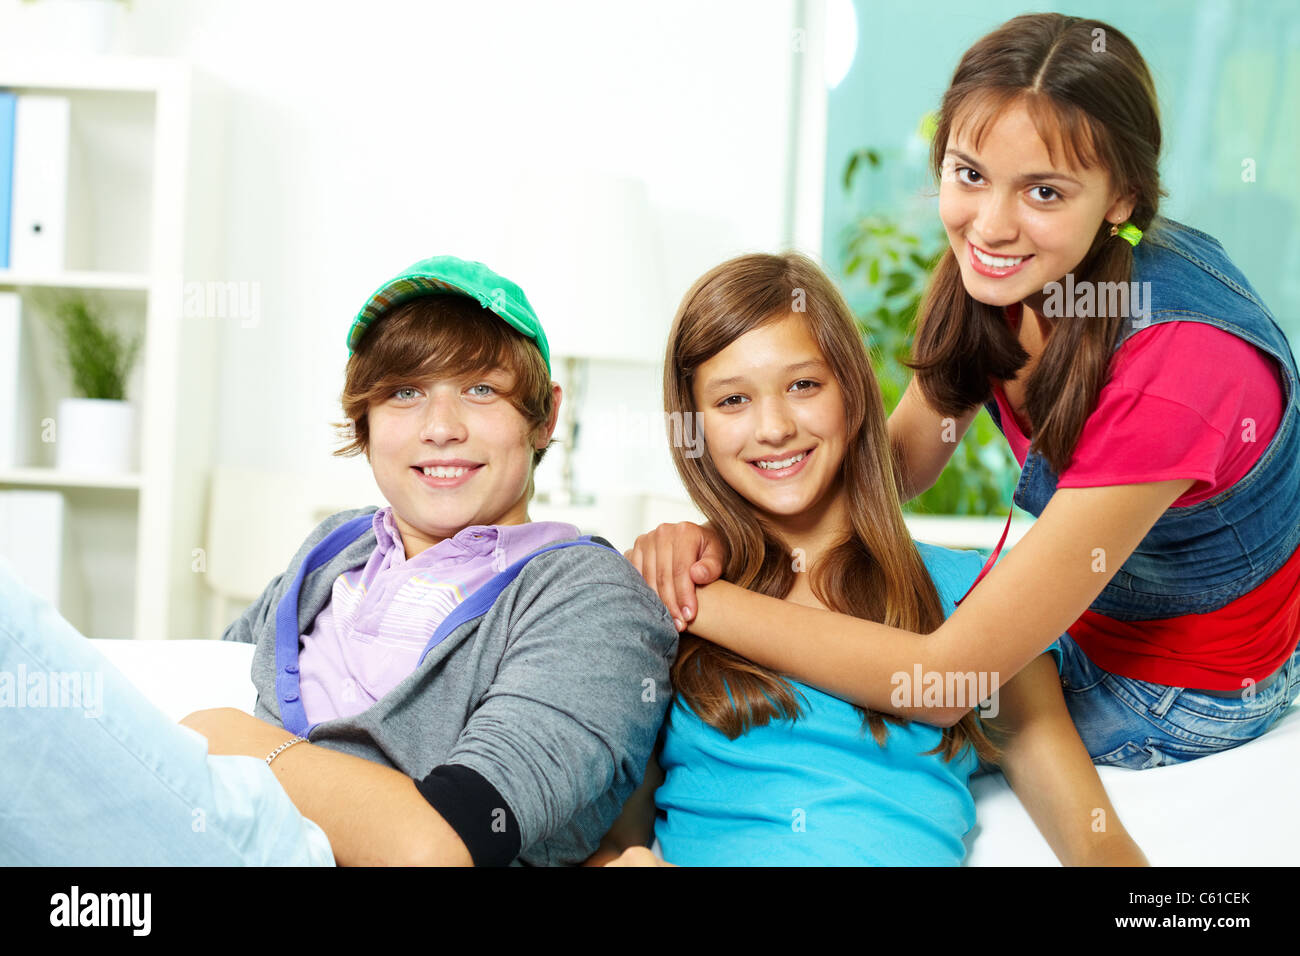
(440, 680)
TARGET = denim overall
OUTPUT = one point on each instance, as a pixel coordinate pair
(1194, 559)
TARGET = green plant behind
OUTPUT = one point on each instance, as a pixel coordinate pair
(896, 263)
(97, 356)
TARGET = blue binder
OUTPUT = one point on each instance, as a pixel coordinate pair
(8, 102)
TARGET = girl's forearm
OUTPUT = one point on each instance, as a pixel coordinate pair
(868, 664)
(1116, 849)
(1037, 591)
(1052, 774)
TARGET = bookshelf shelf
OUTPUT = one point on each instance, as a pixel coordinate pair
(89, 281)
(109, 74)
(55, 478)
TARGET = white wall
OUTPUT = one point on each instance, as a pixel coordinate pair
(364, 137)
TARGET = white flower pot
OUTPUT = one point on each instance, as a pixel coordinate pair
(96, 435)
(63, 26)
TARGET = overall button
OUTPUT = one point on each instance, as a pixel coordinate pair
(291, 668)
(290, 698)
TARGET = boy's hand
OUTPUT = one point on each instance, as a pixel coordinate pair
(673, 559)
(638, 856)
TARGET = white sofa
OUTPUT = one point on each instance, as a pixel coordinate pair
(1236, 807)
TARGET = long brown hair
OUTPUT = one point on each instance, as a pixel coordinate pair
(874, 573)
(1087, 88)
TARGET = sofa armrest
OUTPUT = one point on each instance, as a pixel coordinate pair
(180, 677)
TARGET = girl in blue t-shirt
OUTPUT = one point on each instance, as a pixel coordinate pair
(797, 477)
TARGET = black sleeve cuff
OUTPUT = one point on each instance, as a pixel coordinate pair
(475, 810)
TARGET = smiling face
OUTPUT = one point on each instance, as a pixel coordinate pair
(774, 424)
(1015, 219)
(476, 444)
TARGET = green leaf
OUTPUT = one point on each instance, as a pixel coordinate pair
(98, 357)
(855, 161)
(897, 283)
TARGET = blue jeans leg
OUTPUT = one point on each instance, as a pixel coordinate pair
(92, 774)
(1138, 724)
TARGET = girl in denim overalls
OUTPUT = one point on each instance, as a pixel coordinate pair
(1165, 555)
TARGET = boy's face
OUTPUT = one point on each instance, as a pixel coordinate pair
(477, 442)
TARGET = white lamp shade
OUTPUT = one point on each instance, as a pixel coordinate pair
(586, 251)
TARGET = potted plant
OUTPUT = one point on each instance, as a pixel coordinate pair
(894, 259)
(96, 431)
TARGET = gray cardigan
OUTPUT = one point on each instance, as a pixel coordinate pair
(554, 695)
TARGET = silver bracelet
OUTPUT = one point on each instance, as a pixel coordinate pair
(283, 747)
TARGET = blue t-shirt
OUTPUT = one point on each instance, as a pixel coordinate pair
(819, 790)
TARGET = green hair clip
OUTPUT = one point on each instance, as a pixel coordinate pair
(1129, 232)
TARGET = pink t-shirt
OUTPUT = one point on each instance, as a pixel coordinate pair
(1184, 400)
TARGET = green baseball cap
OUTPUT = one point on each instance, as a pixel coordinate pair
(447, 275)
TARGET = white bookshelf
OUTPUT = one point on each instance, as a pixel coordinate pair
(143, 181)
